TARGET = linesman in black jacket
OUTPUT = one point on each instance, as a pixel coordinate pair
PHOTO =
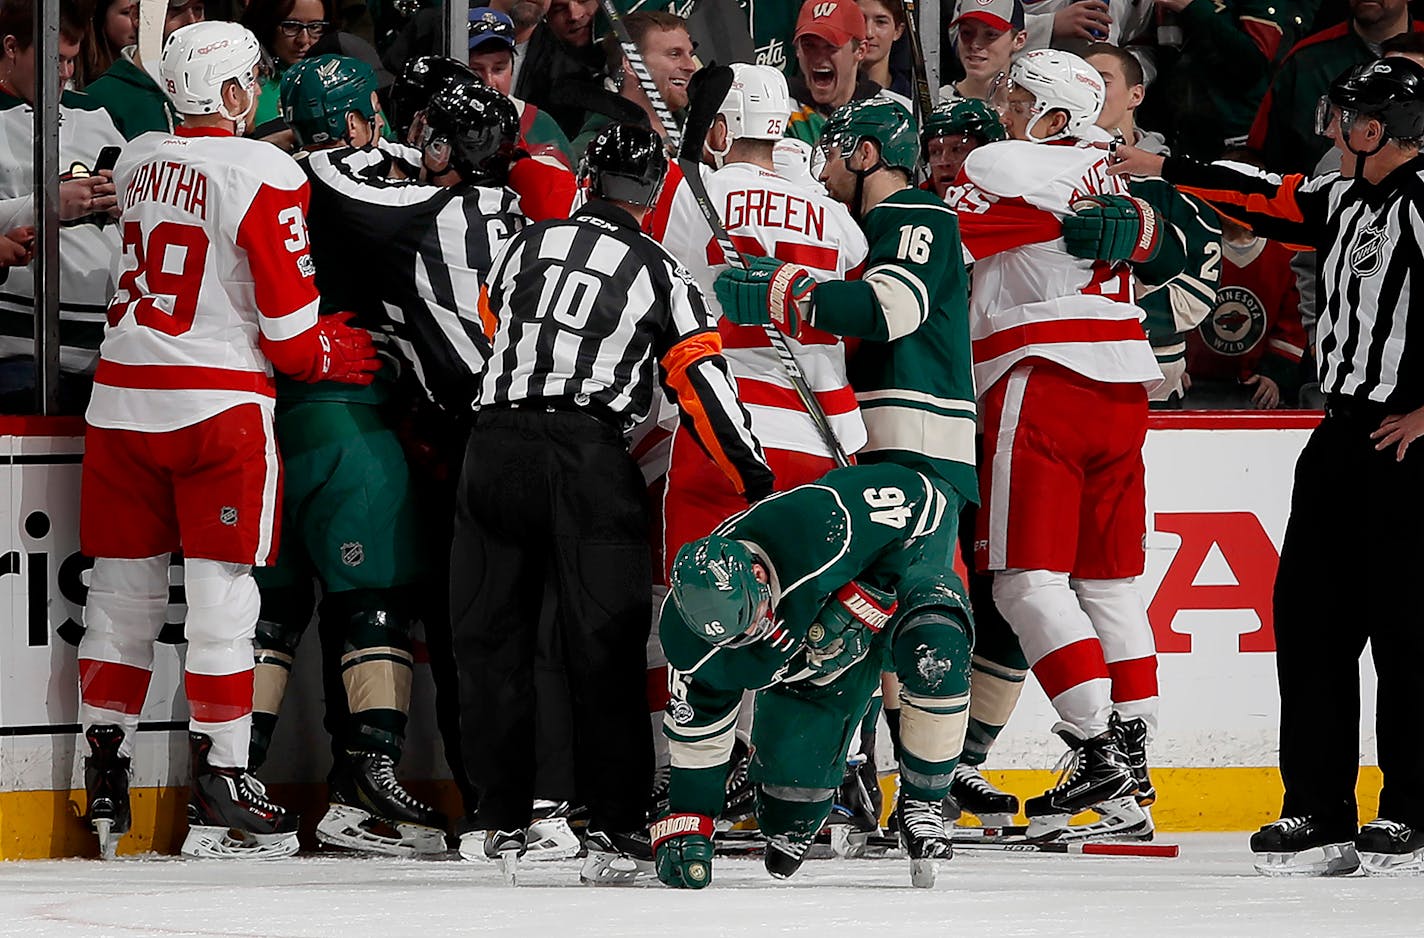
(1354, 544)
(581, 311)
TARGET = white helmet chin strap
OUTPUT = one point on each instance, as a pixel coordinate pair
(719, 157)
(1036, 115)
(239, 120)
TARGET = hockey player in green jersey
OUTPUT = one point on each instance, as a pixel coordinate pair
(349, 523)
(912, 372)
(805, 598)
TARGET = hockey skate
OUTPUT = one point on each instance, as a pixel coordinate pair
(856, 812)
(372, 812)
(1389, 848)
(972, 793)
(922, 834)
(1093, 775)
(229, 814)
(550, 837)
(1132, 737)
(1301, 846)
(106, 780)
(505, 848)
(616, 858)
(785, 853)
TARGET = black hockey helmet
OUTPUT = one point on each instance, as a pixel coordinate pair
(625, 163)
(411, 92)
(1390, 90)
(475, 128)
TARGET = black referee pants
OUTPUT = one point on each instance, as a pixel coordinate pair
(1351, 572)
(553, 497)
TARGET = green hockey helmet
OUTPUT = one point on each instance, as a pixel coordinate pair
(715, 588)
(965, 117)
(886, 122)
(317, 94)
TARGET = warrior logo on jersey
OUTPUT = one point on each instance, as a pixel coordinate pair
(1367, 256)
(1237, 323)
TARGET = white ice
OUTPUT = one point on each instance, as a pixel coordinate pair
(1208, 892)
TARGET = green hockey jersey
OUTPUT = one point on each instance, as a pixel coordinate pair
(857, 523)
(913, 373)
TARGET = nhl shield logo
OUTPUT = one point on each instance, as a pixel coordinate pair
(228, 515)
(1237, 323)
(1367, 256)
(353, 554)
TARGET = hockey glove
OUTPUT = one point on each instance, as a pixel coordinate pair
(846, 626)
(766, 291)
(682, 850)
(347, 354)
(1113, 228)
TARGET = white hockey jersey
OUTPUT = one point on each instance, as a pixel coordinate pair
(1030, 297)
(86, 249)
(767, 215)
(214, 257)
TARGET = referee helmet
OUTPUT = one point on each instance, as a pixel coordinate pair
(1390, 90)
(411, 91)
(473, 128)
(624, 163)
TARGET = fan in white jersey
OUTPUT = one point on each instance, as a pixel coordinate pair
(214, 288)
(1063, 366)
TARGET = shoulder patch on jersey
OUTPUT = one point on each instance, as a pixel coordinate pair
(681, 712)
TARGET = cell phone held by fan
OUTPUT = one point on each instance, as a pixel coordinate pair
(107, 159)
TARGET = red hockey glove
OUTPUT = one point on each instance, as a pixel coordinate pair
(348, 355)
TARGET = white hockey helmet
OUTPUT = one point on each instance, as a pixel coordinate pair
(1060, 81)
(758, 103)
(200, 58)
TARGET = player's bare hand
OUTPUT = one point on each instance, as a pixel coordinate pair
(1399, 430)
(1088, 19)
(1267, 394)
(87, 195)
(1128, 159)
(14, 253)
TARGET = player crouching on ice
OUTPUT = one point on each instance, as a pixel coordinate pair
(806, 598)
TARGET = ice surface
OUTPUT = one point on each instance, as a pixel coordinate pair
(1209, 891)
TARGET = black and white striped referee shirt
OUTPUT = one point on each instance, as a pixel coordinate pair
(1369, 252)
(584, 307)
(410, 260)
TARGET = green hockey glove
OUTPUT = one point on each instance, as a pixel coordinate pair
(682, 850)
(846, 625)
(1113, 228)
(766, 291)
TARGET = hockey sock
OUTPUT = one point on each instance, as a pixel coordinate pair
(892, 723)
(223, 604)
(996, 680)
(286, 611)
(795, 812)
(122, 618)
(376, 666)
(1129, 648)
(931, 650)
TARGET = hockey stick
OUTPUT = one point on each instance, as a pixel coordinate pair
(702, 111)
(640, 71)
(917, 62)
(1165, 851)
(151, 14)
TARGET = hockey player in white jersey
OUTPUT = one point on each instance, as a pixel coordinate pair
(1063, 366)
(214, 289)
(766, 215)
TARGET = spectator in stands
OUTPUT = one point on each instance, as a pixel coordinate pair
(287, 29)
(987, 37)
(112, 29)
(830, 43)
(526, 16)
(1125, 88)
(1247, 353)
(128, 92)
(562, 62)
(1284, 129)
(1206, 101)
(884, 25)
(492, 59)
(87, 248)
(666, 48)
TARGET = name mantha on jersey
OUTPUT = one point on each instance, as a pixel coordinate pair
(215, 255)
(767, 215)
(1030, 297)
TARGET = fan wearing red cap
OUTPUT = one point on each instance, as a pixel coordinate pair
(990, 34)
(829, 41)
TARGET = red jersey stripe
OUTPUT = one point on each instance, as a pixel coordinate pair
(1054, 331)
(182, 378)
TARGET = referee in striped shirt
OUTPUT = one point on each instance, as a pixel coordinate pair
(581, 311)
(1354, 544)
